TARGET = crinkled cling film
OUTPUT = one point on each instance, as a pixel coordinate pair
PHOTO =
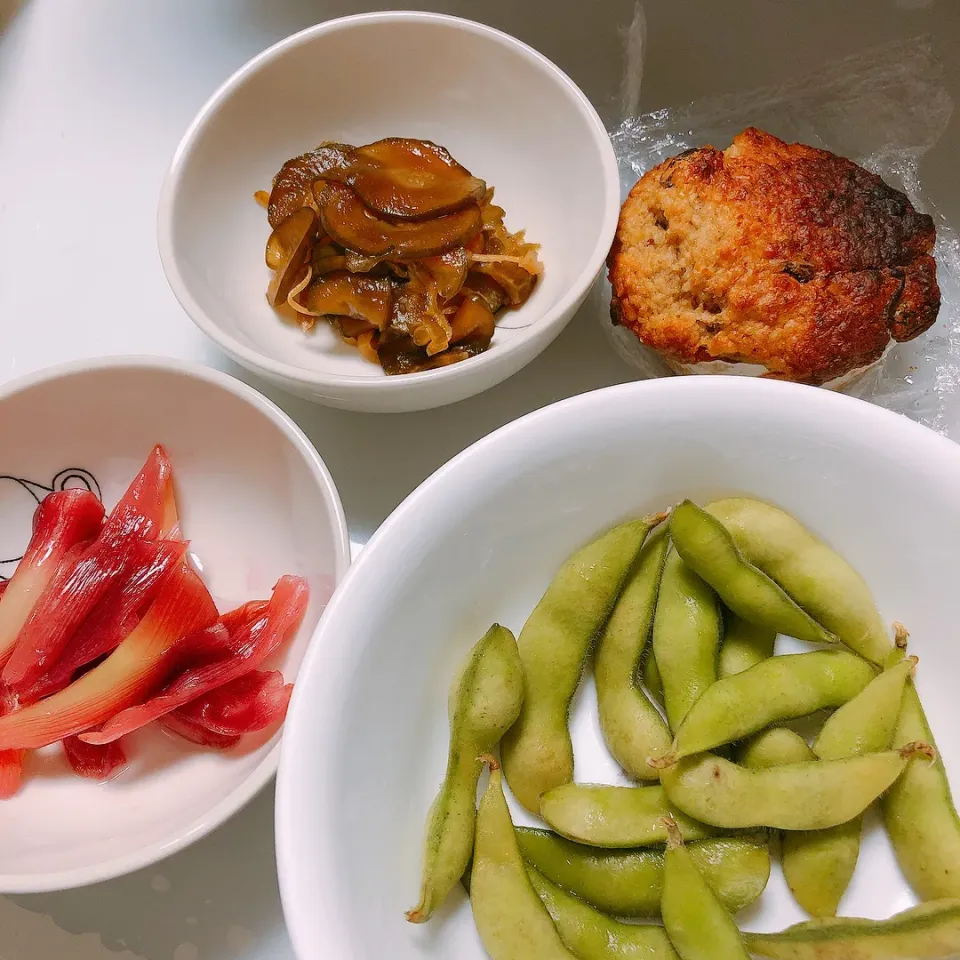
(885, 109)
(399, 247)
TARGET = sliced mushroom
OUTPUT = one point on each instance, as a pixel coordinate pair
(349, 295)
(353, 226)
(291, 240)
(448, 271)
(293, 184)
(350, 328)
(516, 283)
(408, 179)
(472, 319)
(417, 315)
(482, 286)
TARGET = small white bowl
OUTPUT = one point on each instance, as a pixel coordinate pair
(256, 502)
(504, 111)
(478, 542)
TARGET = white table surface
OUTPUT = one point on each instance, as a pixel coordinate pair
(94, 95)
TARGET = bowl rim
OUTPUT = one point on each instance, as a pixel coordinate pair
(314, 727)
(317, 378)
(246, 790)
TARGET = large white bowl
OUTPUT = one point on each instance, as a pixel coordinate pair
(479, 541)
(503, 110)
(256, 502)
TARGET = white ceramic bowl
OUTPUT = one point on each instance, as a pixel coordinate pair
(479, 541)
(503, 110)
(256, 502)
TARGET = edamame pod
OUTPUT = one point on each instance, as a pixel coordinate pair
(930, 931)
(800, 796)
(817, 577)
(537, 752)
(744, 645)
(867, 723)
(632, 726)
(628, 883)
(919, 813)
(774, 748)
(511, 919)
(651, 677)
(484, 701)
(605, 816)
(592, 935)
(709, 549)
(777, 689)
(696, 922)
(817, 864)
(686, 637)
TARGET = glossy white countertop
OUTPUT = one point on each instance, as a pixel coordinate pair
(94, 95)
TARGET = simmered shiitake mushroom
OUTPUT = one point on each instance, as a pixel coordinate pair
(293, 185)
(407, 179)
(400, 248)
(347, 294)
(289, 245)
(351, 224)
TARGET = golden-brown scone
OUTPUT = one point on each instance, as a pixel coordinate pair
(775, 254)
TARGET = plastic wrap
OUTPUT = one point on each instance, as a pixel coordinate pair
(884, 108)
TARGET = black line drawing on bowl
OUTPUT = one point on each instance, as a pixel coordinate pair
(69, 478)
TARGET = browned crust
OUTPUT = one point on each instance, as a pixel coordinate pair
(775, 254)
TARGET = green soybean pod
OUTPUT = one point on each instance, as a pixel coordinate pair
(592, 935)
(484, 701)
(708, 548)
(798, 796)
(511, 919)
(537, 753)
(930, 931)
(744, 645)
(866, 723)
(919, 812)
(686, 637)
(697, 924)
(632, 726)
(606, 816)
(817, 864)
(775, 690)
(628, 883)
(651, 677)
(817, 577)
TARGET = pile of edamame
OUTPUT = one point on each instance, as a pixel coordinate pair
(681, 612)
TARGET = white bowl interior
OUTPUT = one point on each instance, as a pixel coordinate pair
(255, 503)
(478, 543)
(501, 109)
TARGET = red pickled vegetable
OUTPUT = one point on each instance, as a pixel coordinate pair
(3, 587)
(114, 617)
(96, 763)
(61, 521)
(11, 772)
(255, 701)
(71, 595)
(188, 729)
(151, 494)
(252, 644)
(129, 674)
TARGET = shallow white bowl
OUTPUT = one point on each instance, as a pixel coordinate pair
(503, 110)
(479, 541)
(256, 502)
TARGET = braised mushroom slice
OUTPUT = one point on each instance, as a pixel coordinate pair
(448, 271)
(408, 179)
(417, 315)
(349, 295)
(473, 319)
(291, 242)
(482, 286)
(348, 221)
(516, 283)
(293, 184)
